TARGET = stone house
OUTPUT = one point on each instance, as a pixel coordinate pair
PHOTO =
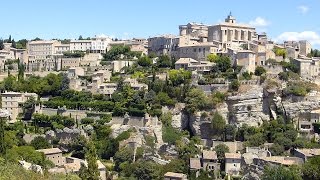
(194, 65)
(195, 165)
(175, 176)
(233, 164)
(210, 161)
(13, 101)
(54, 155)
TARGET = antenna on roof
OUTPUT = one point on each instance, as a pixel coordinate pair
(230, 14)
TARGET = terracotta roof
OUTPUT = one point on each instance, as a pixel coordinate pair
(209, 155)
(233, 155)
(195, 163)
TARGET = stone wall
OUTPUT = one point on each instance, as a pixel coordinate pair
(132, 121)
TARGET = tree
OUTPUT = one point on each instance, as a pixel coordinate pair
(235, 84)
(212, 57)
(122, 156)
(218, 124)
(256, 140)
(40, 142)
(21, 69)
(91, 172)
(146, 170)
(3, 148)
(281, 173)
(280, 52)
(259, 71)
(285, 142)
(221, 149)
(9, 39)
(80, 37)
(180, 76)
(276, 149)
(311, 169)
(144, 61)
(13, 43)
(164, 61)
(229, 132)
(28, 107)
(223, 63)
(29, 154)
(1, 44)
(196, 100)
(246, 75)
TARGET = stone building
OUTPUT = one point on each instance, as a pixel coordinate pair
(193, 65)
(67, 63)
(308, 68)
(119, 65)
(175, 176)
(61, 48)
(244, 58)
(315, 116)
(302, 47)
(193, 34)
(13, 102)
(41, 49)
(210, 161)
(233, 164)
(80, 45)
(163, 45)
(305, 47)
(230, 31)
(54, 155)
(198, 52)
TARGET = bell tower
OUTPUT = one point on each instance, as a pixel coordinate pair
(230, 19)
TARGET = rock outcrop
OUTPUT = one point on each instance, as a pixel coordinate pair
(179, 118)
(248, 107)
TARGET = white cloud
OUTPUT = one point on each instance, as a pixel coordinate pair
(311, 36)
(259, 22)
(303, 9)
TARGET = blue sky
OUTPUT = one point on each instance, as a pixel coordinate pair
(281, 19)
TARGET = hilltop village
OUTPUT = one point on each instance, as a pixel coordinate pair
(213, 102)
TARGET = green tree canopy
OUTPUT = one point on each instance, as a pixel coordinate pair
(40, 142)
(280, 173)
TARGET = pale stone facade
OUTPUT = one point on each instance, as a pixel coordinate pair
(230, 31)
(198, 52)
(233, 163)
(12, 102)
(175, 176)
(244, 58)
(54, 155)
(193, 65)
(308, 68)
(41, 49)
(61, 48)
(193, 34)
(163, 45)
(119, 65)
(80, 45)
(305, 47)
(100, 43)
